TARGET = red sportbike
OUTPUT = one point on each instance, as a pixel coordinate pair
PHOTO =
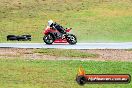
(54, 36)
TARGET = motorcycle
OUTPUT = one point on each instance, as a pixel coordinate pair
(52, 35)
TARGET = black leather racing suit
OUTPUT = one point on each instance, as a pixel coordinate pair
(58, 27)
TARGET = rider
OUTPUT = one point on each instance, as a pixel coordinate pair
(56, 26)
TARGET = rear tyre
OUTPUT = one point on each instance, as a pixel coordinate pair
(71, 39)
(48, 39)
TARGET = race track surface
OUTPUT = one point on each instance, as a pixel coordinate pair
(126, 45)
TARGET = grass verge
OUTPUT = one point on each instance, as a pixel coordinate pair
(56, 74)
(65, 53)
(91, 20)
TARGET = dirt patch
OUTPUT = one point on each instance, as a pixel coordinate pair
(104, 55)
(112, 54)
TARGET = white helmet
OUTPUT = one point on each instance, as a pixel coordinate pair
(50, 22)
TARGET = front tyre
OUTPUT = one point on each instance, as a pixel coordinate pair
(71, 39)
(48, 39)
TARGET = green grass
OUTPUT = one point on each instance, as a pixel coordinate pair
(65, 53)
(128, 49)
(56, 74)
(91, 20)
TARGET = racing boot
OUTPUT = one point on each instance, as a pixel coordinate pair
(63, 36)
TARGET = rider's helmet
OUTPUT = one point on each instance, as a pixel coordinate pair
(50, 22)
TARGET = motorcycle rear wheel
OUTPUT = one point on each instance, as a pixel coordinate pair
(48, 39)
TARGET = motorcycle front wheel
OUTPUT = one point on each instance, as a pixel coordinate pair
(71, 39)
(48, 39)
